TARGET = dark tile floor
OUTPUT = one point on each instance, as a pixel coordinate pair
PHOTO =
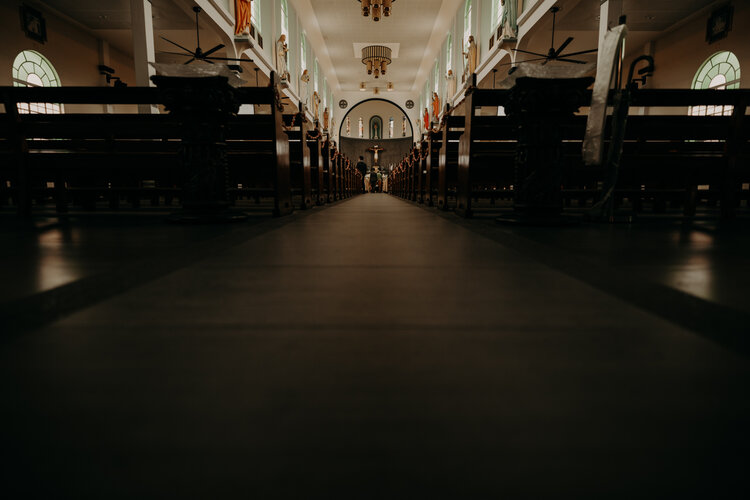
(377, 350)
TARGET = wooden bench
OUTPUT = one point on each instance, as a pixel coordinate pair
(85, 158)
(317, 187)
(297, 128)
(664, 161)
(452, 130)
(432, 163)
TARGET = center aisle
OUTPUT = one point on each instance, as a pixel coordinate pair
(371, 350)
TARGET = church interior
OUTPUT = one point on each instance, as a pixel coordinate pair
(374, 248)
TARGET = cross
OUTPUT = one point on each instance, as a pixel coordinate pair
(376, 149)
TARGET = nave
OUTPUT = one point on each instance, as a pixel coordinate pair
(376, 349)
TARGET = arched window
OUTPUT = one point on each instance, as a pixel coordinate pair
(255, 15)
(303, 53)
(284, 19)
(720, 71)
(390, 128)
(32, 69)
(436, 76)
(497, 13)
(467, 27)
(315, 76)
(376, 127)
(449, 53)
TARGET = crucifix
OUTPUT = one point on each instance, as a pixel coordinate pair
(376, 149)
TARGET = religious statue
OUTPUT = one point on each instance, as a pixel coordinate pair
(281, 51)
(376, 130)
(451, 80)
(471, 59)
(435, 107)
(508, 21)
(325, 119)
(316, 104)
(426, 120)
(304, 84)
(242, 17)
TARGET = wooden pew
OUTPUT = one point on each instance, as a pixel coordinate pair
(453, 129)
(665, 157)
(432, 163)
(328, 174)
(315, 145)
(86, 158)
(297, 127)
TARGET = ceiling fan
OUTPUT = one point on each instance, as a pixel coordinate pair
(553, 54)
(198, 54)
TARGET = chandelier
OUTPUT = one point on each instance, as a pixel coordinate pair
(376, 58)
(376, 6)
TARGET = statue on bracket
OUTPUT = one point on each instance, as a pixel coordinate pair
(471, 59)
(426, 120)
(325, 119)
(281, 64)
(316, 105)
(508, 21)
(304, 82)
(435, 107)
(242, 17)
(451, 79)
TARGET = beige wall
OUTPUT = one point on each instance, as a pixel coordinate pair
(679, 54)
(72, 51)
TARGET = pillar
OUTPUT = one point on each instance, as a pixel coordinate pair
(143, 46)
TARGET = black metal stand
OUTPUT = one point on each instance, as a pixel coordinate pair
(540, 108)
(203, 107)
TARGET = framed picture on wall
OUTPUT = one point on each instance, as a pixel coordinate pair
(33, 24)
(719, 24)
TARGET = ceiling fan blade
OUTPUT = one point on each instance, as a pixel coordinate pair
(175, 53)
(191, 60)
(521, 62)
(580, 53)
(208, 53)
(178, 45)
(228, 59)
(563, 46)
(571, 61)
(532, 53)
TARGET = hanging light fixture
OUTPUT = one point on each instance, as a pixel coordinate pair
(362, 86)
(376, 7)
(376, 91)
(376, 58)
(390, 87)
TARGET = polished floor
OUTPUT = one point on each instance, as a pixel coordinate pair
(377, 349)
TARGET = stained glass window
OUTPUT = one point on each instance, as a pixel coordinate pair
(720, 71)
(32, 69)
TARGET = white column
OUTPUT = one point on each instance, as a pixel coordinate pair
(143, 46)
(609, 15)
(103, 47)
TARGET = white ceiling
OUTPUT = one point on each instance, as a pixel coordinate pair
(418, 26)
(336, 27)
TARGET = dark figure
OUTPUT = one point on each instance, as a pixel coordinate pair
(361, 167)
(374, 180)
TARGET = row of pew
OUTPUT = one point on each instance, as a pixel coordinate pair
(118, 161)
(669, 160)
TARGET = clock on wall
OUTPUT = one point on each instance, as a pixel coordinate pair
(343, 104)
(409, 104)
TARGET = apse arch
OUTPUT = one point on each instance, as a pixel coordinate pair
(342, 125)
